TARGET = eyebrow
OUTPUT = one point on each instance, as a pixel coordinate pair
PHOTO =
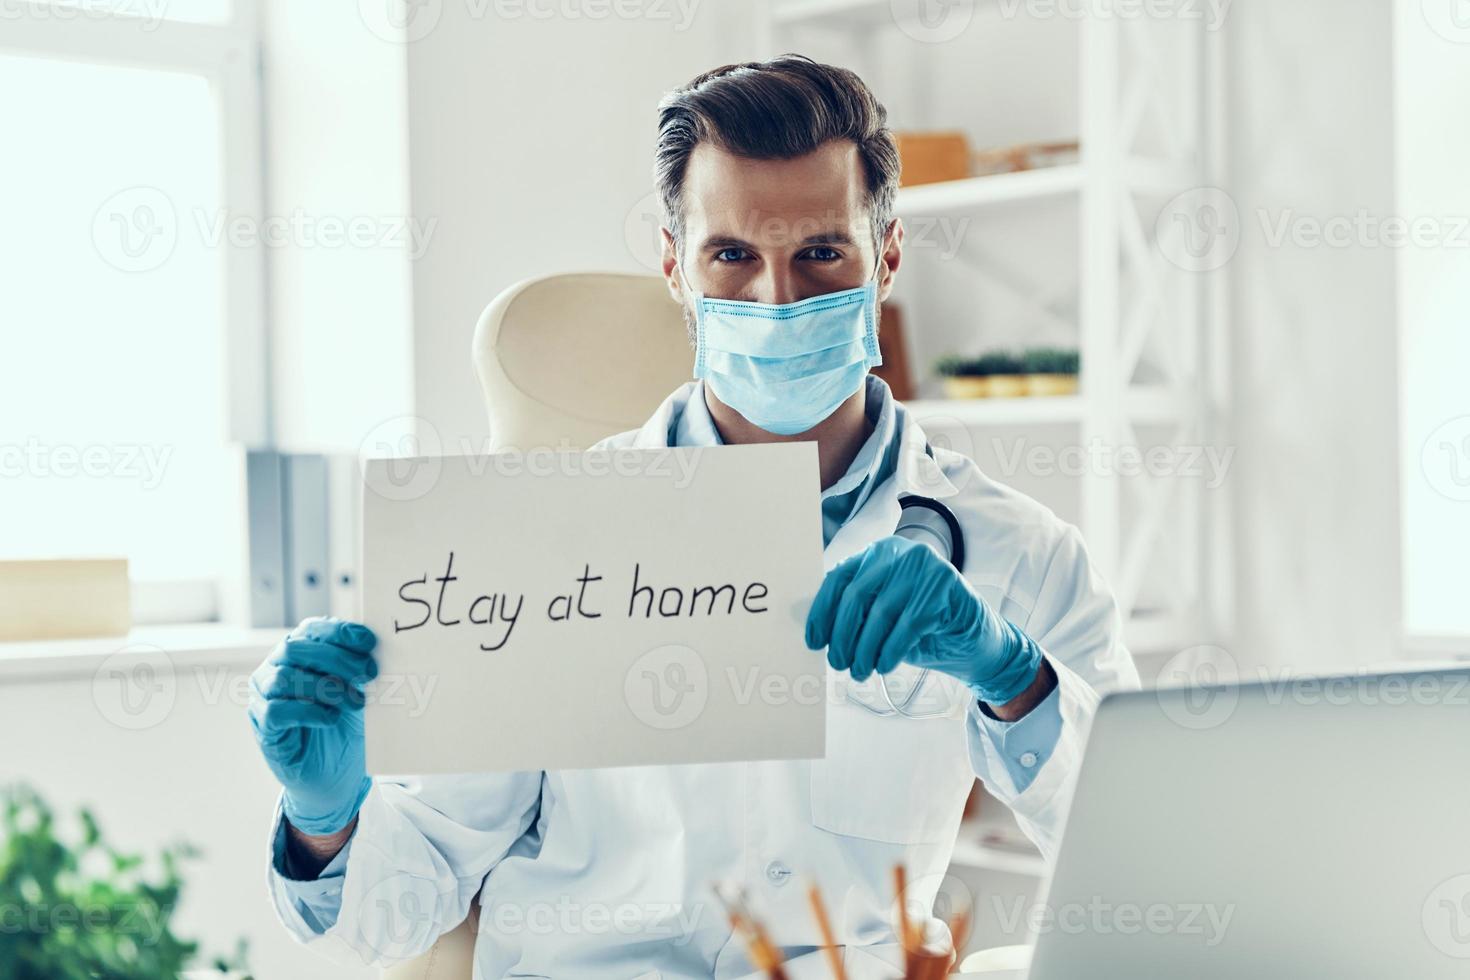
(821, 238)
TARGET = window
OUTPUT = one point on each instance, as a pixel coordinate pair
(132, 337)
(1432, 102)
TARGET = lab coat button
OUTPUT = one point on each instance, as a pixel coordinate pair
(1028, 759)
(778, 873)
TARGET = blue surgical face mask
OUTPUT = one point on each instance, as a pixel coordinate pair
(785, 367)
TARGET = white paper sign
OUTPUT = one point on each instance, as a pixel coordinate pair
(579, 610)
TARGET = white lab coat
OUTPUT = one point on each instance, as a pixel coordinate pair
(606, 873)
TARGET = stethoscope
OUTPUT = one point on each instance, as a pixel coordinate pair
(930, 522)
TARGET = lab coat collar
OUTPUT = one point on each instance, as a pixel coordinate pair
(916, 470)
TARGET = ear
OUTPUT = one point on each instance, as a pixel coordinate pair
(892, 258)
(673, 276)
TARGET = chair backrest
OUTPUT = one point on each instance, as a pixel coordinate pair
(565, 360)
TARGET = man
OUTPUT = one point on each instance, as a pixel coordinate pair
(778, 181)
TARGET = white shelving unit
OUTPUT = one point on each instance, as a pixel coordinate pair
(951, 196)
(1142, 116)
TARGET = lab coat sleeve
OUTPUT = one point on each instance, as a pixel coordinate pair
(1026, 743)
(1075, 620)
(421, 851)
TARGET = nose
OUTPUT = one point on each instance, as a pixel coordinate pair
(776, 284)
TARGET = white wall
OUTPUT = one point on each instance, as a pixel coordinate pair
(532, 145)
(1313, 336)
(336, 166)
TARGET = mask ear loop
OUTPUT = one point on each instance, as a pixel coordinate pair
(870, 336)
(700, 349)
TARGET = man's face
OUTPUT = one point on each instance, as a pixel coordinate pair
(776, 231)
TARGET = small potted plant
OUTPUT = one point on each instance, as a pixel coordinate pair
(995, 374)
(1051, 370)
(960, 379)
(85, 910)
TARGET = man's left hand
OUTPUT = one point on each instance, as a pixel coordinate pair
(897, 601)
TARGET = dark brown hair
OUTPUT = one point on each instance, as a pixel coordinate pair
(774, 110)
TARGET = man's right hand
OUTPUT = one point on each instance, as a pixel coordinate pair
(306, 708)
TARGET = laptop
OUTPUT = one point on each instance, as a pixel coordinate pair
(1278, 829)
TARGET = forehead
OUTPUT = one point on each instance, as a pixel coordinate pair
(774, 201)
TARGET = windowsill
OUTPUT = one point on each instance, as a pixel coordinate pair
(1422, 646)
(164, 647)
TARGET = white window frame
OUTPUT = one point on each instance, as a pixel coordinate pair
(228, 57)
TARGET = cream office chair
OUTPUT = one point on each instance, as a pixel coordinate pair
(563, 361)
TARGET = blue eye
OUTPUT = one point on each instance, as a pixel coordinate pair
(823, 253)
(731, 254)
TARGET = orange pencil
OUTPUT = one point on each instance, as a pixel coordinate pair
(900, 884)
(828, 940)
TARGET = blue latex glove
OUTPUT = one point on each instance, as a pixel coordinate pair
(306, 708)
(897, 601)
